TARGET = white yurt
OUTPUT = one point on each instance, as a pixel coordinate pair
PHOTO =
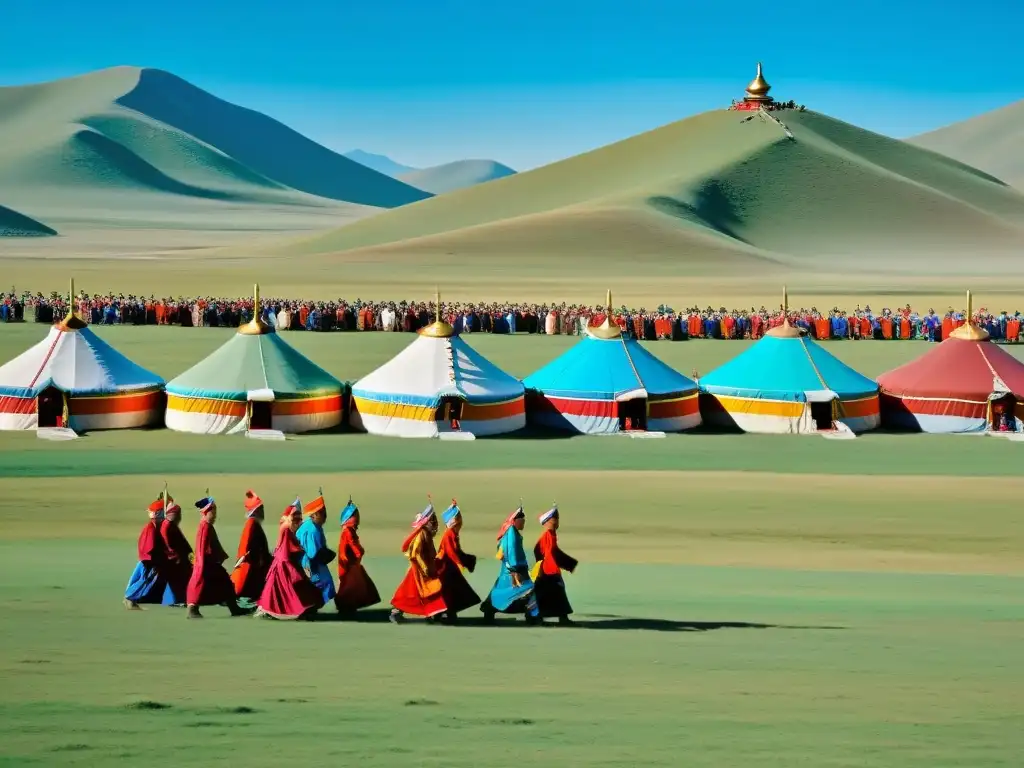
(438, 384)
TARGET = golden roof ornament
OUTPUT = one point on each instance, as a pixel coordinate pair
(969, 331)
(757, 89)
(72, 322)
(438, 329)
(257, 326)
(609, 329)
(784, 331)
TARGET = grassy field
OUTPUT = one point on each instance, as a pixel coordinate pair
(742, 599)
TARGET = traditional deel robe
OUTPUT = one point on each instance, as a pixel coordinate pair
(451, 560)
(253, 558)
(420, 591)
(147, 582)
(355, 587)
(288, 593)
(179, 565)
(552, 600)
(513, 591)
(316, 556)
(210, 583)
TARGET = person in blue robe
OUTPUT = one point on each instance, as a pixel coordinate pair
(513, 590)
(315, 553)
(147, 582)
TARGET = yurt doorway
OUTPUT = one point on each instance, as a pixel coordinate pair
(633, 415)
(50, 408)
(821, 415)
(260, 415)
(449, 413)
(1001, 414)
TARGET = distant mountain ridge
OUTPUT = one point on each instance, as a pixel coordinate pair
(993, 142)
(89, 140)
(14, 224)
(380, 163)
(458, 175)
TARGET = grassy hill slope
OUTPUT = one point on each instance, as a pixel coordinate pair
(126, 139)
(715, 183)
(993, 142)
(460, 174)
(14, 224)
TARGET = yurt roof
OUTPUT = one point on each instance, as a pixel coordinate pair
(436, 365)
(958, 368)
(76, 360)
(250, 362)
(607, 369)
(785, 367)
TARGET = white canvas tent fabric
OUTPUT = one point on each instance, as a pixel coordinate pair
(102, 388)
(401, 398)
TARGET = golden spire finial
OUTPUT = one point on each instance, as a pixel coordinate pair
(785, 330)
(609, 329)
(72, 321)
(257, 326)
(757, 89)
(969, 331)
(439, 329)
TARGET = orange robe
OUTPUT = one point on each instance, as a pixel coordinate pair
(420, 590)
(905, 331)
(458, 594)
(886, 327)
(549, 587)
(355, 588)
(1012, 330)
(250, 577)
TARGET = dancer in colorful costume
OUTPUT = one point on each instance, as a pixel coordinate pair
(210, 583)
(288, 592)
(179, 554)
(451, 560)
(552, 602)
(314, 544)
(355, 587)
(250, 571)
(147, 582)
(513, 591)
(420, 590)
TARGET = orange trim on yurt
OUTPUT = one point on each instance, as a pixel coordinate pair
(473, 412)
(207, 407)
(307, 406)
(667, 409)
(865, 406)
(94, 405)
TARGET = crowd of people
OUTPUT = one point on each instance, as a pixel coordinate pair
(294, 580)
(662, 322)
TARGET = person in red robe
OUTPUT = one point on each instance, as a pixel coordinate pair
(147, 582)
(178, 553)
(451, 561)
(250, 572)
(210, 583)
(552, 602)
(288, 592)
(355, 587)
(420, 591)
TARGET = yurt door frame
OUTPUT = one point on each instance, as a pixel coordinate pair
(633, 414)
(1007, 402)
(52, 408)
(822, 410)
(449, 413)
(259, 410)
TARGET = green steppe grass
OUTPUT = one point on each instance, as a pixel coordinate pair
(743, 600)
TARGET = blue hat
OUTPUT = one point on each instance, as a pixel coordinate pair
(451, 514)
(204, 504)
(553, 512)
(349, 510)
(424, 517)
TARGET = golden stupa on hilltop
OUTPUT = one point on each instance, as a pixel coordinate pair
(757, 89)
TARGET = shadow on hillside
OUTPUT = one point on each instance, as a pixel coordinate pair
(585, 621)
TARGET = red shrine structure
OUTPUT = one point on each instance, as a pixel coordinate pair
(757, 95)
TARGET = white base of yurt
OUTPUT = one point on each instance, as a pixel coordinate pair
(642, 435)
(56, 433)
(456, 436)
(265, 434)
(841, 432)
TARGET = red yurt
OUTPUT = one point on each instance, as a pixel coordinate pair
(964, 384)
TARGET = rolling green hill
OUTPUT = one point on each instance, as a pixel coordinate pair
(14, 224)
(113, 143)
(993, 142)
(712, 185)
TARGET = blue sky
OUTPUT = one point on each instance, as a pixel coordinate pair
(531, 82)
